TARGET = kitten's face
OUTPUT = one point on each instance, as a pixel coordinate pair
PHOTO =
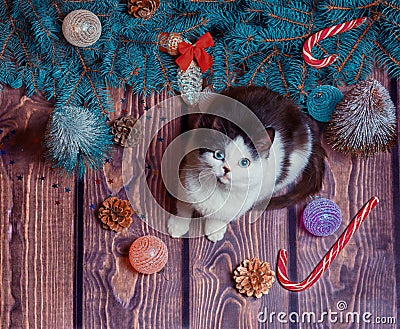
(233, 164)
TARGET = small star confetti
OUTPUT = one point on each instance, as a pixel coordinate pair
(6, 137)
(127, 188)
(146, 108)
(67, 190)
(142, 216)
(19, 177)
(2, 152)
(97, 181)
(148, 117)
(141, 101)
(160, 139)
(57, 202)
(55, 185)
(11, 162)
(163, 119)
(123, 100)
(124, 111)
(148, 167)
(42, 178)
(110, 181)
(91, 206)
(108, 160)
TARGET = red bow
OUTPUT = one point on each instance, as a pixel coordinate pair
(189, 52)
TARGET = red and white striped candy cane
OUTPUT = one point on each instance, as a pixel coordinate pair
(323, 34)
(328, 258)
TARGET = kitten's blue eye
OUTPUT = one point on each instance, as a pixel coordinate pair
(219, 155)
(244, 162)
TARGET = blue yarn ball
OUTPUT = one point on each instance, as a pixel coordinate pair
(322, 101)
(322, 217)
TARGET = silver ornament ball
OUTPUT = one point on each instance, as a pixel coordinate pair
(81, 28)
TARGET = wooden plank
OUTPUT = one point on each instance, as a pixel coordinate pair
(214, 300)
(114, 295)
(37, 244)
(363, 275)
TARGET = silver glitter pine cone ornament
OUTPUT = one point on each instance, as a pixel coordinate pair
(81, 28)
(364, 122)
(190, 84)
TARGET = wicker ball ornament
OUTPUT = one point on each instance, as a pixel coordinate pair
(322, 101)
(81, 28)
(148, 254)
(322, 217)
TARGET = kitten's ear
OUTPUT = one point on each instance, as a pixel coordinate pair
(217, 124)
(271, 134)
(263, 145)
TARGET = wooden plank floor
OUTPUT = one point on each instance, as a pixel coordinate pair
(60, 269)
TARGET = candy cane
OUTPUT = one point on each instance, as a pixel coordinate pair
(323, 34)
(328, 258)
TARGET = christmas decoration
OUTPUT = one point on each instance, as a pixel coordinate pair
(115, 214)
(77, 139)
(127, 131)
(364, 123)
(254, 277)
(190, 84)
(81, 28)
(169, 42)
(193, 60)
(189, 52)
(148, 254)
(328, 258)
(142, 8)
(322, 101)
(321, 35)
(322, 217)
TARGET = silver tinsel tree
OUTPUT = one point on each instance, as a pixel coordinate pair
(364, 122)
(77, 139)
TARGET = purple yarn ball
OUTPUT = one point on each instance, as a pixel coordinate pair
(322, 217)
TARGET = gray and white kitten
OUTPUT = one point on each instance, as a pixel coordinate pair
(230, 175)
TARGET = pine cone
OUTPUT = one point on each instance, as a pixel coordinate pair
(254, 277)
(142, 8)
(127, 131)
(115, 214)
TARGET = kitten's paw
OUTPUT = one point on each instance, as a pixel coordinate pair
(177, 227)
(215, 230)
(217, 236)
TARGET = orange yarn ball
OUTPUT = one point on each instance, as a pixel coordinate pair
(148, 254)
